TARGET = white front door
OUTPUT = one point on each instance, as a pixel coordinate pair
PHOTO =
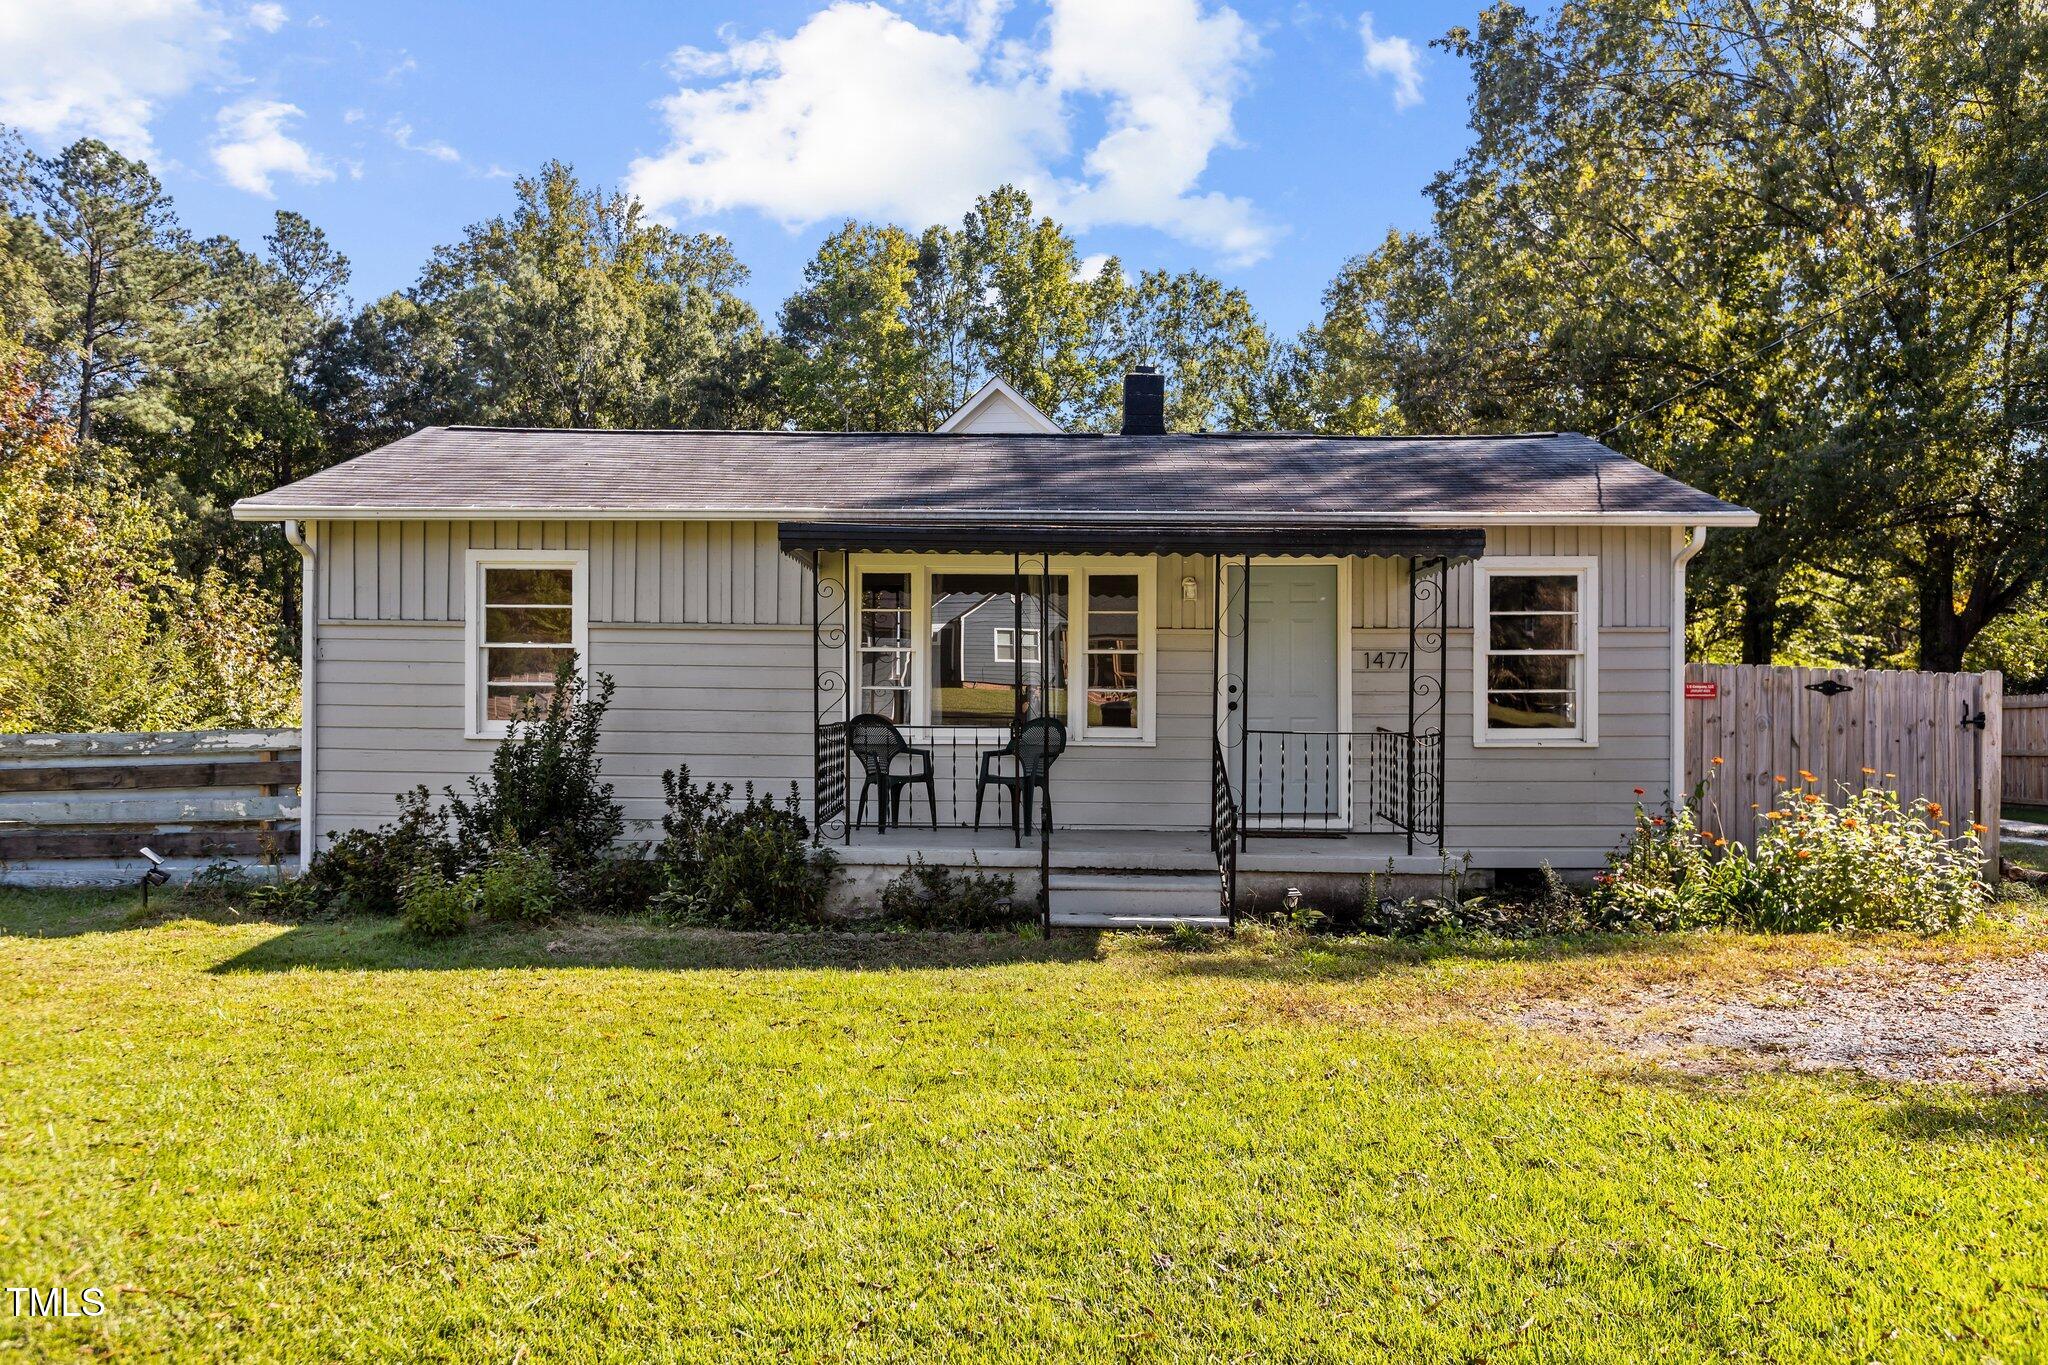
(1295, 759)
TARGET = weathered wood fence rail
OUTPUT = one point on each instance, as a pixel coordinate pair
(81, 808)
(2026, 750)
(1937, 735)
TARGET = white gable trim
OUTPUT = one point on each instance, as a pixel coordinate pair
(989, 393)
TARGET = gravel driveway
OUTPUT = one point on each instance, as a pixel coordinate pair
(1984, 1024)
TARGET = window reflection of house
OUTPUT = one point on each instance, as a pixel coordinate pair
(974, 660)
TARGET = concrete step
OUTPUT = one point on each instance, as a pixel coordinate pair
(1136, 900)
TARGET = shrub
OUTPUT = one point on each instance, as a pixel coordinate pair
(745, 866)
(364, 871)
(1867, 862)
(517, 884)
(544, 788)
(624, 885)
(431, 905)
(928, 897)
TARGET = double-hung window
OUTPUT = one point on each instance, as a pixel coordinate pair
(527, 614)
(1535, 632)
(960, 644)
(886, 657)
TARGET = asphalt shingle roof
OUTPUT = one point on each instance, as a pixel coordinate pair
(495, 471)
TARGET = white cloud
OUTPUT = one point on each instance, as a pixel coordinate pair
(1171, 75)
(401, 133)
(270, 18)
(250, 146)
(1091, 266)
(862, 111)
(103, 67)
(1397, 59)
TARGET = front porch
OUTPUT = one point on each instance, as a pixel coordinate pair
(1229, 704)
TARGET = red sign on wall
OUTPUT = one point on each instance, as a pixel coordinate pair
(1702, 691)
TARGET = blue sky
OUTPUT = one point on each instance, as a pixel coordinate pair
(1262, 142)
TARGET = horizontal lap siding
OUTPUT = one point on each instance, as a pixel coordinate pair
(641, 572)
(1512, 806)
(734, 704)
(678, 611)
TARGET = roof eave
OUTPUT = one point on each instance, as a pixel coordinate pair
(251, 510)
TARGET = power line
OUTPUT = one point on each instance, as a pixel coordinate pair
(1795, 333)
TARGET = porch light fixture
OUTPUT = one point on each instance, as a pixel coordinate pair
(1188, 587)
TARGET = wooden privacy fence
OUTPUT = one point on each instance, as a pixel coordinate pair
(1936, 735)
(78, 809)
(2026, 750)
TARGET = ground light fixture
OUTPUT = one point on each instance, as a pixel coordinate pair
(156, 876)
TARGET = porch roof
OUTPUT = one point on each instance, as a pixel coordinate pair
(1295, 536)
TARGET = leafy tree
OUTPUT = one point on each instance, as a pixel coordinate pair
(121, 277)
(99, 628)
(852, 360)
(1665, 220)
(574, 310)
(1205, 337)
(1032, 318)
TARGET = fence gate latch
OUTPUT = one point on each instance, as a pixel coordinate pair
(1829, 687)
(1971, 722)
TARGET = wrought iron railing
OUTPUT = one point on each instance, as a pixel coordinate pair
(828, 769)
(1377, 781)
(1224, 831)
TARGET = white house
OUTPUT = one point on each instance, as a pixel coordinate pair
(1271, 656)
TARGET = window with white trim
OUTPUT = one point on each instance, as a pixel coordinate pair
(527, 615)
(1006, 648)
(939, 643)
(1535, 678)
(885, 659)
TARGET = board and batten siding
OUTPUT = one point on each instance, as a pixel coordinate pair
(704, 627)
(641, 572)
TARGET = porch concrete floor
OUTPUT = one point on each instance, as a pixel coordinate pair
(1130, 850)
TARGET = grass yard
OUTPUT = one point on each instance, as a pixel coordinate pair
(596, 1142)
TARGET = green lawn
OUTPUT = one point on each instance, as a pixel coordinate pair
(613, 1142)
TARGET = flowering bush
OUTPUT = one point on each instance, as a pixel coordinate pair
(1869, 861)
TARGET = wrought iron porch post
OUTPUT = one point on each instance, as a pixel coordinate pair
(1443, 683)
(1019, 709)
(1244, 743)
(1044, 690)
(1408, 775)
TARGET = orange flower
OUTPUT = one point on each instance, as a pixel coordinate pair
(1779, 778)
(1811, 798)
(1807, 776)
(1934, 807)
(1774, 815)
(1717, 760)
(1870, 772)
(1976, 828)
(1657, 820)
(1805, 853)
(1754, 806)
(1849, 823)
(1640, 792)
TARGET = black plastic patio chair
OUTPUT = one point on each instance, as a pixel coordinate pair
(876, 745)
(1033, 747)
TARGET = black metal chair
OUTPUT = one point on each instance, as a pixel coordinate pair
(876, 745)
(1033, 747)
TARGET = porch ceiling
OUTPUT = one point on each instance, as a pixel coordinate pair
(1138, 535)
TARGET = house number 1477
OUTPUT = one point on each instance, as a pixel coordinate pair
(1386, 659)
